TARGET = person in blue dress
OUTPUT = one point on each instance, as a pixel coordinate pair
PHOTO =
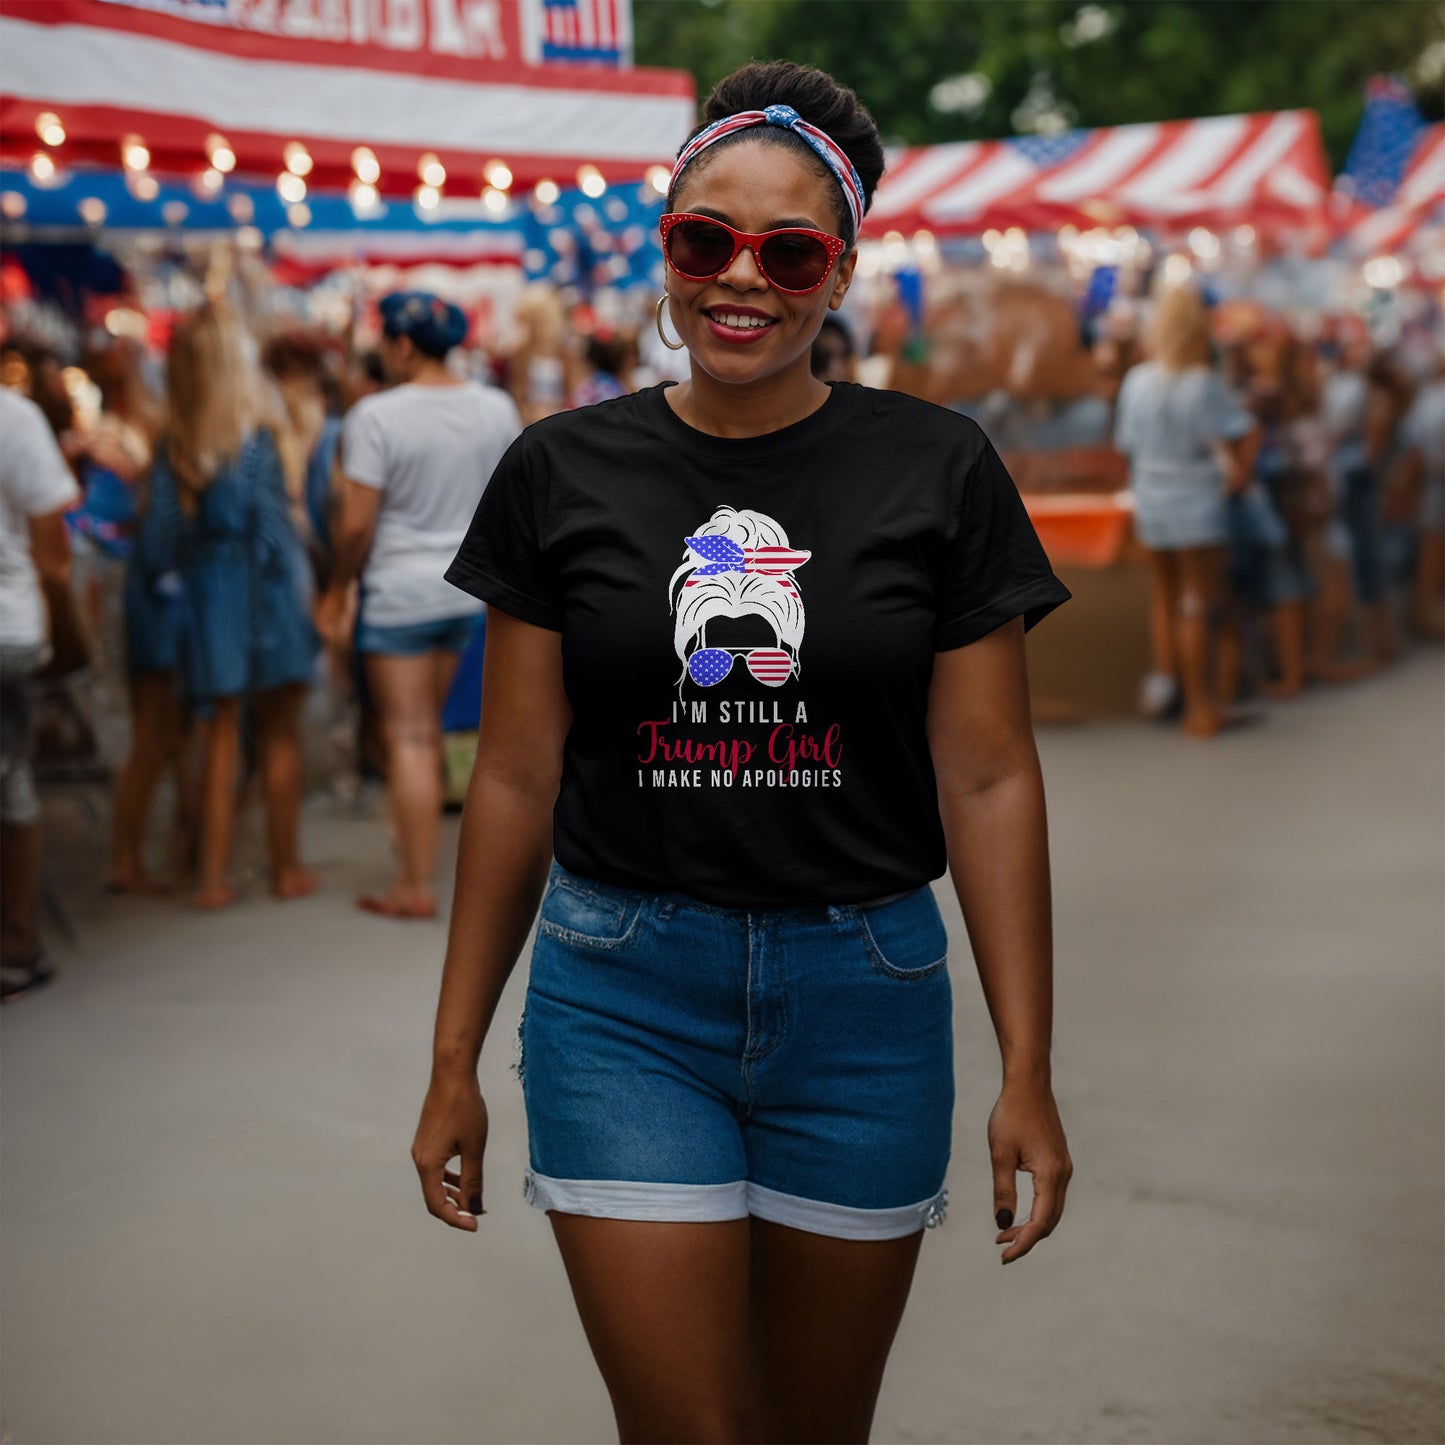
(219, 493)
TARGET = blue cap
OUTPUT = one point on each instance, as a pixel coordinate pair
(433, 324)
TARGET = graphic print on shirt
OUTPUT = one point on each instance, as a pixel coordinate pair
(739, 564)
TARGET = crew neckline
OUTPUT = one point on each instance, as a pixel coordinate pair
(812, 428)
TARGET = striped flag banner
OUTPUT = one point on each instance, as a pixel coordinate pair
(1220, 170)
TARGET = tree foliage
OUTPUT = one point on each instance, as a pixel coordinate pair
(1106, 63)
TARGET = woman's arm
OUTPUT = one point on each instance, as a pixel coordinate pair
(991, 800)
(351, 538)
(503, 860)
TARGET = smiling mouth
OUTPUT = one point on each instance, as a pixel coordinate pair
(739, 321)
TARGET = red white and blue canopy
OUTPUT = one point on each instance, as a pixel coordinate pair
(1223, 170)
(466, 83)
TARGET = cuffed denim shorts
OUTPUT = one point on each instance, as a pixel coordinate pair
(445, 634)
(688, 1062)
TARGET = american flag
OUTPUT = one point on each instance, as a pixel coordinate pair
(1384, 143)
(596, 31)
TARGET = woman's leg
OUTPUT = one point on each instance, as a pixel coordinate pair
(1201, 595)
(405, 689)
(153, 710)
(1288, 625)
(1163, 608)
(278, 728)
(824, 1313)
(1428, 585)
(665, 1309)
(222, 735)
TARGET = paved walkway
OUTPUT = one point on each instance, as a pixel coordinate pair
(212, 1231)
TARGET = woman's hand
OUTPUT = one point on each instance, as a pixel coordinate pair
(336, 616)
(1025, 1134)
(453, 1122)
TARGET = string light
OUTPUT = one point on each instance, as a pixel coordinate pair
(298, 216)
(494, 200)
(428, 197)
(363, 196)
(174, 212)
(211, 181)
(49, 128)
(658, 178)
(298, 159)
(12, 205)
(92, 211)
(143, 187)
(547, 192)
(366, 165)
(134, 153)
(291, 188)
(42, 168)
(432, 172)
(223, 158)
(591, 180)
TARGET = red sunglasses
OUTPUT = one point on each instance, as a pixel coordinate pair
(792, 259)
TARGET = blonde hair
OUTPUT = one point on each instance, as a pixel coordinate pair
(1179, 330)
(211, 395)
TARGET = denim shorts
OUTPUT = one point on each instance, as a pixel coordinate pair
(688, 1062)
(446, 634)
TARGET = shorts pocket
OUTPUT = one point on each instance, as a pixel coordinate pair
(906, 937)
(599, 918)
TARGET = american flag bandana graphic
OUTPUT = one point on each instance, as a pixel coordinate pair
(722, 554)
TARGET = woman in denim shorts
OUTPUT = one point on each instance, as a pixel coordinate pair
(754, 678)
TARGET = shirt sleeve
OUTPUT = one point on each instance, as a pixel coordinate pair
(503, 558)
(363, 450)
(996, 567)
(42, 482)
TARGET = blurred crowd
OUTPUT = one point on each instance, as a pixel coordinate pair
(214, 524)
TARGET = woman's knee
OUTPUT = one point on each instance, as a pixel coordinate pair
(411, 730)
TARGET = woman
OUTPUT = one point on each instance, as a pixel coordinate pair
(755, 653)
(1185, 437)
(219, 492)
(415, 460)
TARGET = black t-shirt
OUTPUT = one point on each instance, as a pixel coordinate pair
(748, 632)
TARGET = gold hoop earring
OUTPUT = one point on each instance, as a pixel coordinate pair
(671, 345)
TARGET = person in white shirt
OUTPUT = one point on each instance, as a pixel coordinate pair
(36, 490)
(416, 460)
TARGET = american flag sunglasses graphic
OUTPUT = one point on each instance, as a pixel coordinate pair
(708, 666)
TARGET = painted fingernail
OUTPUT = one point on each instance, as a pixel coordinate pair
(1005, 1217)
(476, 1205)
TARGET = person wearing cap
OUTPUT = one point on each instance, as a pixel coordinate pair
(415, 461)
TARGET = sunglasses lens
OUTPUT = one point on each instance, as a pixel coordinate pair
(699, 248)
(794, 262)
(770, 665)
(709, 665)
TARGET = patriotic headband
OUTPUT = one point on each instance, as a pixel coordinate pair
(789, 119)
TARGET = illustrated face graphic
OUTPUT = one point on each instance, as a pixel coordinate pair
(739, 566)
